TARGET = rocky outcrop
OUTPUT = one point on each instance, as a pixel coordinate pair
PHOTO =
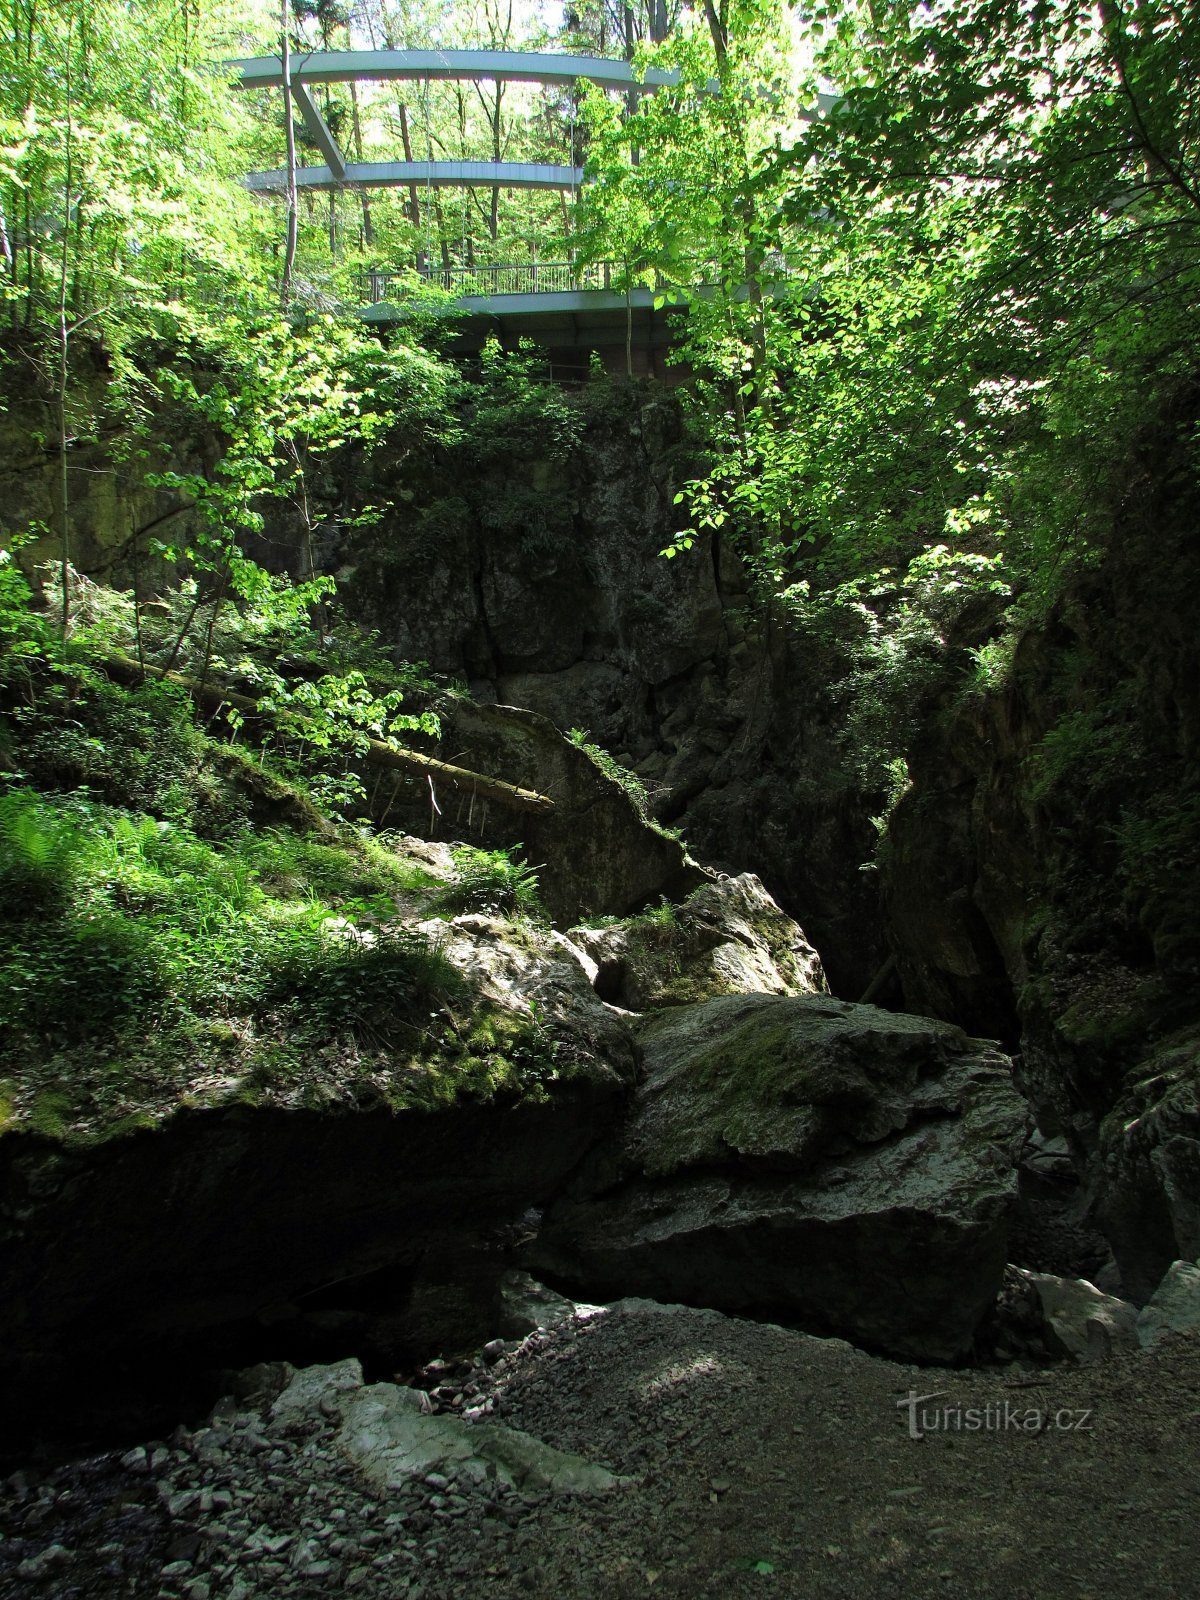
(128, 1263)
(391, 1437)
(729, 937)
(1174, 1307)
(1045, 861)
(527, 561)
(848, 1168)
(1147, 1165)
(1079, 1320)
(597, 854)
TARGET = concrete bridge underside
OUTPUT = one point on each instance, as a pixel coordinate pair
(570, 325)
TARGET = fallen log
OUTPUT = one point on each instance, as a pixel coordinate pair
(212, 696)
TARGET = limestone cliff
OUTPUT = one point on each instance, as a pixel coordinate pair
(526, 561)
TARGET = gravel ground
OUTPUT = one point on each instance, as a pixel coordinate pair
(764, 1462)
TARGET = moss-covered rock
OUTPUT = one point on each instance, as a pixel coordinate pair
(846, 1167)
(729, 937)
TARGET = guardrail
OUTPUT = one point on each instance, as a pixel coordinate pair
(530, 277)
(535, 277)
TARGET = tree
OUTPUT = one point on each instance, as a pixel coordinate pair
(154, 141)
(681, 195)
(1013, 194)
(935, 315)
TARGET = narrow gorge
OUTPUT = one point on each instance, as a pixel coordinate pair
(697, 1106)
(599, 799)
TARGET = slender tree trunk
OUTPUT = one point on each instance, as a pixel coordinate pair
(494, 216)
(628, 319)
(414, 202)
(437, 199)
(439, 217)
(327, 44)
(6, 255)
(29, 260)
(356, 129)
(720, 37)
(631, 99)
(64, 334)
(289, 254)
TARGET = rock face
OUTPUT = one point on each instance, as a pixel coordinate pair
(1049, 849)
(849, 1168)
(1039, 878)
(1146, 1169)
(597, 854)
(728, 938)
(527, 561)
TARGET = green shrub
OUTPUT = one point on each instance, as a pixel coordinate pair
(80, 977)
(493, 882)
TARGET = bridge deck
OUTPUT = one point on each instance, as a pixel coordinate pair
(570, 323)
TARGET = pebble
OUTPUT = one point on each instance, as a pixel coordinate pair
(285, 1518)
(37, 1566)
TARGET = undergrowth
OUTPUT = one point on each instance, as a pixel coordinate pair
(184, 928)
(492, 881)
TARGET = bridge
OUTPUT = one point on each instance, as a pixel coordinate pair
(557, 304)
(572, 311)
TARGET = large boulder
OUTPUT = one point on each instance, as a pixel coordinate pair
(1174, 1307)
(391, 1438)
(729, 937)
(842, 1166)
(298, 1228)
(1080, 1320)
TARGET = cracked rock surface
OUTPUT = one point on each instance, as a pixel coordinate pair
(852, 1168)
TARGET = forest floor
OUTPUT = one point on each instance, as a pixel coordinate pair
(760, 1461)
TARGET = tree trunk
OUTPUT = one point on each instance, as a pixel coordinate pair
(414, 204)
(356, 128)
(289, 254)
(63, 348)
(211, 697)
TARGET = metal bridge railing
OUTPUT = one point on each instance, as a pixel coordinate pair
(530, 277)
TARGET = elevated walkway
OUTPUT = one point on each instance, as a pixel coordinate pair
(558, 305)
(567, 311)
(312, 68)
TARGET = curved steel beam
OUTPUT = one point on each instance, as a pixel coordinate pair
(449, 174)
(347, 66)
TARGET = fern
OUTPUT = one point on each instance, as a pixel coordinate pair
(37, 855)
(492, 881)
